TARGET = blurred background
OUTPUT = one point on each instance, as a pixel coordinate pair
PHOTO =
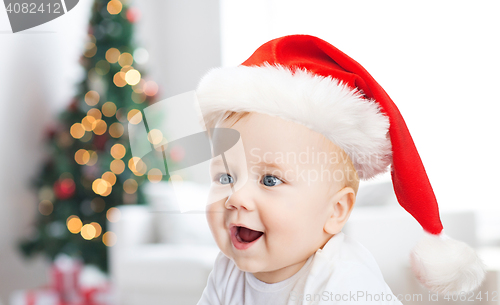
(79, 222)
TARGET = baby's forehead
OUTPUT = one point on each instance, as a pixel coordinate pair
(282, 141)
(308, 156)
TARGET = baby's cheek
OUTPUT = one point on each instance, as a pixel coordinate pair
(215, 215)
(280, 223)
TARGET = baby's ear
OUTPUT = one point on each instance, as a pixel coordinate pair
(340, 207)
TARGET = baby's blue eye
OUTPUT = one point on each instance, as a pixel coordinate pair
(225, 179)
(267, 180)
(272, 180)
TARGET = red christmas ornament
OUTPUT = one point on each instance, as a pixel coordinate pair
(64, 189)
(133, 14)
(177, 153)
(50, 132)
(100, 141)
(73, 106)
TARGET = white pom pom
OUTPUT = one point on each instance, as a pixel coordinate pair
(445, 265)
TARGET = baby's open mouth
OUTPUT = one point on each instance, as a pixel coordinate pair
(246, 235)
(242, 237)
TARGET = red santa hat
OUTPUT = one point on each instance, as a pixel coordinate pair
(306, 80)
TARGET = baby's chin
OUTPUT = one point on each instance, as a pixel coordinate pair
(252, 265)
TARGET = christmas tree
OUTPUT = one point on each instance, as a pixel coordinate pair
(89, 168)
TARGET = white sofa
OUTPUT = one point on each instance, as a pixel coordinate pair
(164, 257)
(161, 257)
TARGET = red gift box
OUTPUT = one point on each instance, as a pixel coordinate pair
(64, 274)
(71, 283)
(48, 296)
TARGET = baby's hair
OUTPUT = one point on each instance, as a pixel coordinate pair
(350, 176)
(229, 116)
(344, 164)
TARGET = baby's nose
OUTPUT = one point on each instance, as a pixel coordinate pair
(242, 196)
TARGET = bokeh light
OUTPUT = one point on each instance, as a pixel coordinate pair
(109, 239)
(45, 207)
(93, 158)
(99, 127)
(87, 122)
(117, 166)
(177, 153)
(110, 177)
(125, 59)
(119, 79)
(125, 69)
(109, 109)
(98, 229)
(82, 156)
(134, 116)
(120, 115)
(92, 98)
(112, 55)
(155, 175)
(141, 56)
(130, 186)
(116, 130)
(101, 187)
(114, 7)
(155, 136)
(88, 231)
(150, 88)
(74, 224)
(176, 178)
(118, 151)
(113, 215)
(95, 113)
(132, 77)
(137, 166)
(90, 49)
(77, 130)
(46, 193)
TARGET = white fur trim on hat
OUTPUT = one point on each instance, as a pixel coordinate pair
(323, 104)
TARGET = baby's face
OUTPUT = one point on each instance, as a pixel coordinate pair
(275, 218)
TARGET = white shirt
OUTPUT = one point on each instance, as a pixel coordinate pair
(343, 272)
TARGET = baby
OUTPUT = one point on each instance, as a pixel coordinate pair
(313, 123)
(299, 193)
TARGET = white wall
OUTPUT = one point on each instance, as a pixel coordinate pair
(183, 39)
(438, 60)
